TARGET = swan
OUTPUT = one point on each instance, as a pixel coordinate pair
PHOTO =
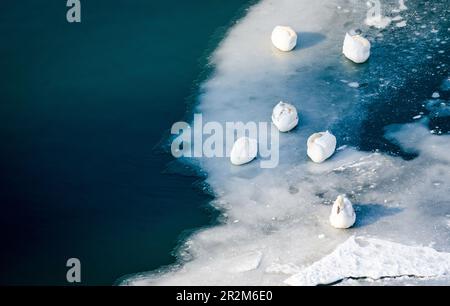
(284, 116)
(356, 48)
(321, 146)
(342, 213)
(284, 38)
(244, 151)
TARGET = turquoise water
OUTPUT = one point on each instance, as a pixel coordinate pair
(83, 108)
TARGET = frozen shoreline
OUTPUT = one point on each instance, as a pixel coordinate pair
(275, 221)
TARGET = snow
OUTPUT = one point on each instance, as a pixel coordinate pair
(245, 262)
(277, 268)
(378, 22)
(363, 257)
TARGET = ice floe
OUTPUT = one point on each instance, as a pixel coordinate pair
(363, 257)
(401, 24)
(401, 5)
(379, 22)
(245, 262)
(375, 17)
(353, 84)
(435, 95)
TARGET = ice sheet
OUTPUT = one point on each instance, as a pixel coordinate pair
(362, 257)
(279, 217)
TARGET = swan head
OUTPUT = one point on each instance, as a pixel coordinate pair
(315, 151)
(340, 203)
(354, 32)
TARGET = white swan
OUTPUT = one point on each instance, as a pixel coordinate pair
(284, 116)
(284, 38)
(321, 146)
(342, 213)
(244, 151)
(356, 48)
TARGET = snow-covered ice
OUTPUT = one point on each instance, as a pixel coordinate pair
(401, 24)
(363, 257)
(244, 262)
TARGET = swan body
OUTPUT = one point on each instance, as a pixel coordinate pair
(244, 151)
(284, 116)
(342, 213)
(356, 48)
(321, 146)
(284, 38)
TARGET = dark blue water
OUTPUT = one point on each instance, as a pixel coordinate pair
(416, 61)
(83, 108)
